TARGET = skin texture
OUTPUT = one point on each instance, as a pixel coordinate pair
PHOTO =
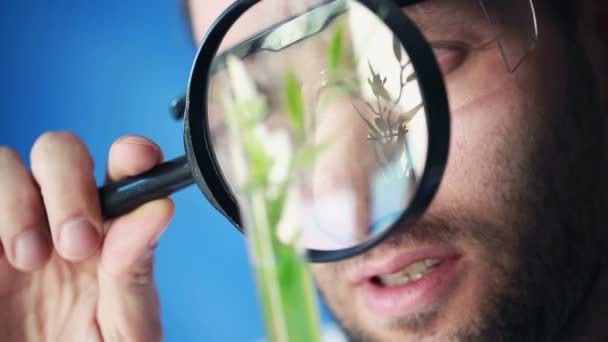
(522, 198)
(62, 279)
(502, 195)
(522, 202)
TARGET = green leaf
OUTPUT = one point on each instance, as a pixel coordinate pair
(336, 50)
(307, 156)
(335, 91)
(251, 112)
(275, 205)
(295, 103)
(259, 162)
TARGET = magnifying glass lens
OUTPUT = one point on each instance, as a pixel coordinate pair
(323, 118)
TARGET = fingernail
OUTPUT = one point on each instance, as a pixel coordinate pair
(31, 248)
(78, 239)
(136, 140)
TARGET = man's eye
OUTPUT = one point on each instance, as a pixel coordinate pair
(450, 55)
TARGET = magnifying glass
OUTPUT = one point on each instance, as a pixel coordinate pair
(398, 126)
(372, 105)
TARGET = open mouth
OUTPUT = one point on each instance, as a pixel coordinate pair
(409, 283)
(415, 271)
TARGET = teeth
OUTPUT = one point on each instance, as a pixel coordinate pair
(432, 262)
(412, 273)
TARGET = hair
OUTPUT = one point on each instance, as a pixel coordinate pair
(564, 12)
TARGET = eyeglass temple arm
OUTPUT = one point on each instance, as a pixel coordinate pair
(121, 197)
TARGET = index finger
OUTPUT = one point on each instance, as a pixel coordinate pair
(132, 155)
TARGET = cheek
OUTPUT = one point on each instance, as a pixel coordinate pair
(493, 127)
(341, 296)
(331, 280)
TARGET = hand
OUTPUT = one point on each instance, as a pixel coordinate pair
(65, 274)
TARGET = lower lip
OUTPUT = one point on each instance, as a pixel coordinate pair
(414, 297)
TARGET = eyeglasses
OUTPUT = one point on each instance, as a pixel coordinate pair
(337, 111)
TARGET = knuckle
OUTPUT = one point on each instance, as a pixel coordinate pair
(8, 155)
(29, 197)
(59, 143)
(136, 140)
(50, 139)
(21, 202)
(13, 172)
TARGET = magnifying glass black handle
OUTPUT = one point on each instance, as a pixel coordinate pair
(126, 195)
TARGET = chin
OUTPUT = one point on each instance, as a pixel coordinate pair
(443, 302)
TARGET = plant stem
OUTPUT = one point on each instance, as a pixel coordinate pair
(283, 279)
(266, 269)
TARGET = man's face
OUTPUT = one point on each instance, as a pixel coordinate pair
(514, 223)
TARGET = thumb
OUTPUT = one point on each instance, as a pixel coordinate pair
(128, 307)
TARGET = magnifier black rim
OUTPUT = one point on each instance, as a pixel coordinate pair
(199, 145)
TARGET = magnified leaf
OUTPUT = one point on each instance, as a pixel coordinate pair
(411, 78)
(406, 117)
(243, 86)
(373, 131)
(401, 136)
(259, 163)
(378, 84)
(336, 50)
(295, 102)
(381, 124)
(307, 156)
(371, 68)
(397, 48)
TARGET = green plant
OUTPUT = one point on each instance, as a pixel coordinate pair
(389, 129)
(269, 162)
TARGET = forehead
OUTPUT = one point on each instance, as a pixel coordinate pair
(203, 13)
(268, 12)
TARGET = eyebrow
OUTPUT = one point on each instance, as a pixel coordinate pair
(448, 19)
(426, 15)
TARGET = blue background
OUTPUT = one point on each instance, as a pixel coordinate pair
(105, 69)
